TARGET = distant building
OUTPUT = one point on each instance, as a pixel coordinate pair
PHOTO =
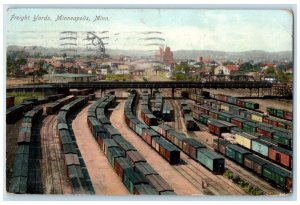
(165, 55)
(226, 70)
(68, 77)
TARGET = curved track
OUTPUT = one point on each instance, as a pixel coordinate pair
(53, 168)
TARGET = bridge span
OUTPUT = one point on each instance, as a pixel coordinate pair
(139, 84)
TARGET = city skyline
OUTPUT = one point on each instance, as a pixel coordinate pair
(201, 29)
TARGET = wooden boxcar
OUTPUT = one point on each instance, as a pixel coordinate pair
(277, 175)
(144, 189)
(238, 122)
(244, 139)
(261, 147)
(281, 156)
(236, 153)
(220, 146)
(159, 184)
(148, 134)
(121, 164)
(211, 160)
(254, 163)
(191, 146)
(217, 128)
(135, 156)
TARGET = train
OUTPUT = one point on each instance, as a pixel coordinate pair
(20, 180)
(136, 174)
(194, 149)
(76, 169)
(275, 174)
(208, 116)
(245, 109)
(281, 113)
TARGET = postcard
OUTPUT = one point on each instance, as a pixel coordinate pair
(120, 102)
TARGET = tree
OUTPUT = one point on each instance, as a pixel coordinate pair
(246, 67)
(14, 60)
(270, 70)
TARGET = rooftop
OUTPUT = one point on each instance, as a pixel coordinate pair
(69, 75)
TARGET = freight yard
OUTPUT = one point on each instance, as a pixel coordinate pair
(132, 141)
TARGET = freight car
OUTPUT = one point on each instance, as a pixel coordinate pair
(189, 122)
(216, 127)
(192, 148)
(281, 113)
(168, 112)
(55, 106)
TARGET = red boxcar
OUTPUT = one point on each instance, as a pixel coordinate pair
(281, 156)
(238, 122)
(269, 121)
(217, 128)
(265, 131)
(288, 115)
(240, 103)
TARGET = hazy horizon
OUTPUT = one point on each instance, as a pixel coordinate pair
(145, 29)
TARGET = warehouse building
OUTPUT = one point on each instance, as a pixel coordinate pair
(69, 77)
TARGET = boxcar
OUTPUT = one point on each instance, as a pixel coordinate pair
(144, 168)
(254, 163)
(144, 189)
(217, 128)
(176, 138)
(163, 129)
(258, 117)
(251, 105)
(220, 146)
(108, 143)
(135, 156)
(265, 131)
(148, 134)
(159, 184)
(150, 119)
(249, 126)
(283, 139)
(191, 146)
(281, 156)
(211, 160)
(277, 175)
(204, 119)
(236, 153)
(261, 147)
(121, 164)
(168, 151)
(113, 153)
(133, 178)
(224, 117)
(238, 121)
(123, 143)
(240, 103)
(189, 122)
(244, 139)
(140, 127)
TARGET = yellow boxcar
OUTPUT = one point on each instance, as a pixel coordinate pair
(224, 107)
(244, 139)
(257, 117)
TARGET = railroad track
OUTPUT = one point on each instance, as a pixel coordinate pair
(198, 175)
(250, 178)
(54, 173)
(246, 175)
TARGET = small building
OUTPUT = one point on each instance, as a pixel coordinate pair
(69, 77)
(226, 70)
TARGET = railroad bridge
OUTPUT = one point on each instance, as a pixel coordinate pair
(103, 85)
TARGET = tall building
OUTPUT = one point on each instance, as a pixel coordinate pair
(165, 55)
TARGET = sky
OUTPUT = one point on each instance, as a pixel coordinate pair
(181, 29)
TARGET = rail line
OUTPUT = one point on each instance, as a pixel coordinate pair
(54, 172)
